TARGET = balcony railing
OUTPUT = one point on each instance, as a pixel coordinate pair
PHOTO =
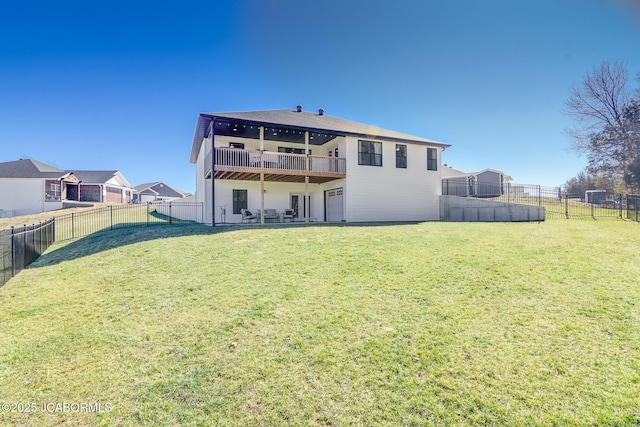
(246, 161)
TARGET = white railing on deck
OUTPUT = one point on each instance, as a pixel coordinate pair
(278, 161)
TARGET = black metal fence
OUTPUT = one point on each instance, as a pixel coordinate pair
(20, 246)
(633, 207)
(557, 203)
(113, 217)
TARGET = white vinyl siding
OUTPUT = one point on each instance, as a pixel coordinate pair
(388, 193)
(25, 196)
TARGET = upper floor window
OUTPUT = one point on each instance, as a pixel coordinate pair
(401, 156)
(369, 153)
(238, 145)
(432, 159)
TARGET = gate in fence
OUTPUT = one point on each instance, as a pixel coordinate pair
(633, 204)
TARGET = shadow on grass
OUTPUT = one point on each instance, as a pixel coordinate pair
(110, 239)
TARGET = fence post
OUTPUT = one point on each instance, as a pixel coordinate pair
(566, 205)
(148, 206)
(13, 252)
(24, 246)
(73, 226)
(111, 215)
(620, 204)
(539, 195)
(40, 239)
(33, 239)
(170, 218)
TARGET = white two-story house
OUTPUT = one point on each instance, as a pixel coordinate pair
(309, 167)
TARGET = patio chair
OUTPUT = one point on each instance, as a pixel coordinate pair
(247, 215)
(271, 215)
(287, 215)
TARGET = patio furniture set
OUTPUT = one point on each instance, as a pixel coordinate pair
(270, 215)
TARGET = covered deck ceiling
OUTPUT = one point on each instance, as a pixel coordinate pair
(243, 129)
(274, 177)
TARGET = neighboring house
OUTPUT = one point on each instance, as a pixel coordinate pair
(318, 167)
(154, 191)
(486, 183)
(28, 186)
(104, 186)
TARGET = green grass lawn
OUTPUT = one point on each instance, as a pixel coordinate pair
(422, 324)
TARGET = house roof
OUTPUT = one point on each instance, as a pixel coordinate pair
(449, 172)
(29, 168)
(145, 186)
(101, 177)
(160, 189)
(301, 121)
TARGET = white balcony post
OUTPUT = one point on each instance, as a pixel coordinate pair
(261, 174)
(307, 202)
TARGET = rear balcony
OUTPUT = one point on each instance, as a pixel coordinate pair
(231, 163)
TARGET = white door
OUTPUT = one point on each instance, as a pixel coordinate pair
(333, 203)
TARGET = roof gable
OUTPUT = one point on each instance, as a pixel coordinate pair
(146, 185)
(159, 188)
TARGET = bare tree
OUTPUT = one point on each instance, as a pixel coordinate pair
(597, 102)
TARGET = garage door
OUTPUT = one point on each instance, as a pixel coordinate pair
(114, 195)
(333, 203)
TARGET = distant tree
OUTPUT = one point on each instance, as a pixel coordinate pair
(615, 150)
(597, 101)
(632, 178)
(584, 180)
(607, 123)
(580, 183)
(630, 138)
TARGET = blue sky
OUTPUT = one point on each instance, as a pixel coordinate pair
(118, 85)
